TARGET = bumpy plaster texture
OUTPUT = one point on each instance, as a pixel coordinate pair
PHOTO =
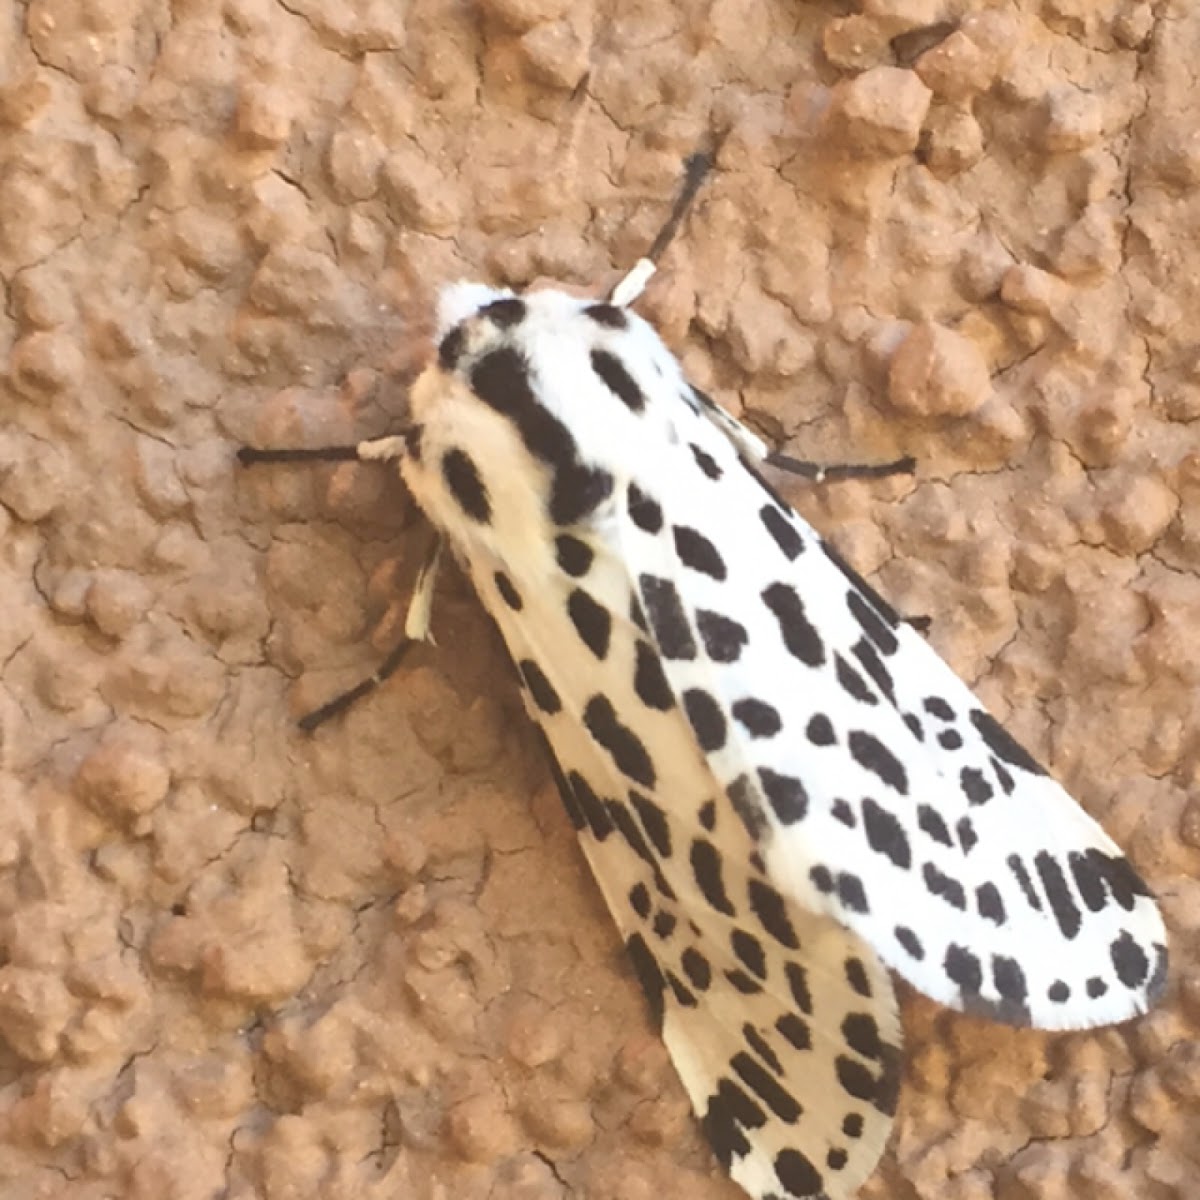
(238, 962)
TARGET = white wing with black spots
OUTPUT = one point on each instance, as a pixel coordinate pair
(751, 743)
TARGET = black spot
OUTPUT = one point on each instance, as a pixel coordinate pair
(968, 839)
(505, 313)
(930, 821)
(650, 681)
(706, 462)
(1129, 961)
(1002, 744)
(748, 804)
(574, 557)
(819, 731)
(841, 811)
(914, 724)
(872, 755)
(592, 807)
(451, 348)
(612, 370)
(723, 637)
(862, 1034)
(851, 893)
(540, 688)
(786, 794)
(782, 531)
(683, 996)
(950, 739)
(873, 665)
(962, 968)
(975, 786)
(577, 491)
(852, 1125)
(508, 593)
(836, 1158)
(885, 834)
(639, 900)
(797, 1173)
(608, 315)
(797, 979)
(1009, 979)
(706, 868)
(466, 486)
(937, 707)
(795, 1030)
(1006, 780)
(1096, 987)
(622, 743)
(749, 952)
(667, 618)
(769, 907)
(635, 613)
(909, 940)
(941, 885)
(990, 904)
(821, 878)
(500, 379)
(631, 831)
(698, 553)
(565, 793)
(852, 682)
(761, 1047)
(1123, 881)
(876, 629)
(413, 440)
(730, 1111)
(706, 719)
(645, 513)
(856, 1079)
(856, 976)
(1054, 884)
(881, 606)
(708, 815)
(741, 982)
(1087, 880)
(799, 636)
(757, 717)
(1017, 867)
(649, 975)
(697, 968)
(592, 621)
(780, 1101)
(654, 822)
(1059, 992)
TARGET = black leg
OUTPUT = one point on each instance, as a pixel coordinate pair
(339, 704)
(820, 474)
(249, 456)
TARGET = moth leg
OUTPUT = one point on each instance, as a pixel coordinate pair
(832, 474)
(343, 700)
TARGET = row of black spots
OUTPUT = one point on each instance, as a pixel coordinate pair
(872, 755)
(616, 377)
(706, 718)
(698, 554)
(465, 484)
(847, 886)
(592, 622)
(783, 533)
(540, 688)
(708, 872)
(624, 747)
(878, 603)
(941, 885)
(705, 461)
(851, 682)
(758, 718)
(668, 618)
(724, 638)
(885, 834)
(870, 622)
(747, 802)
(729, 1112)
(870, 662)
(975, 786)
(800, 636)
(1002, 744)
(650, 680)
(771, 910)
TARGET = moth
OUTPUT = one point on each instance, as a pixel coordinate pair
(783, 792)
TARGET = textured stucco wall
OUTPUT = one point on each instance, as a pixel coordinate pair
(237, 962)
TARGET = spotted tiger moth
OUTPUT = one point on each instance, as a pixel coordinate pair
(782, 791)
